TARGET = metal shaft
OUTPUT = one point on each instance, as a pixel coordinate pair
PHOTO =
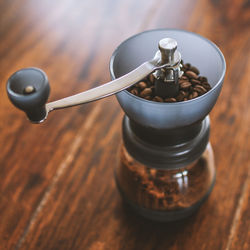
(167, 78)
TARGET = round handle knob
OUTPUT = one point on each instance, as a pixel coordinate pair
(28, 89)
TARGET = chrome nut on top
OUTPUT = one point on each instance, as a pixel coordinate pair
(167, 77)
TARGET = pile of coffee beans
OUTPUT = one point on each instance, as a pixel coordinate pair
(191, 85)
(156, 189)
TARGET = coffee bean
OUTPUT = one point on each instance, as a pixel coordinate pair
(193, 95)
(185, 93)
(187, 66)
(183, 80)
(202, 78)
(206, 85)
(146, 92)
(179, 97)
(142, 85)
(148, 97)
(184, 77)
(157, 99)
(195, 70)
(191, 74)
(193, 81)
(200, 89)
(134, 91)
(185, 99)
(170, 100)
(185, 85)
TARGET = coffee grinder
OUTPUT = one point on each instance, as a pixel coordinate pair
(166, 165)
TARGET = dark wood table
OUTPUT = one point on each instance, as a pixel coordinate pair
(57, 189)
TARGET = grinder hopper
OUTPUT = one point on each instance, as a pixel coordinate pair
(194, 49)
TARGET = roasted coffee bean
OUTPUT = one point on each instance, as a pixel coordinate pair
(157, 99)
(193, 81)
(149, 97)
(191, 74)
(142, 85)
(202, 78)
(185, 85)
(183, 80)
(134, 91)
(185, 99)
(170, 100)
(179, 97)
(187, 66)
(146, 92)
(201, 90)
(195, 70)
(184, 77)
(184, 93)
(206, 85)
(193, 95)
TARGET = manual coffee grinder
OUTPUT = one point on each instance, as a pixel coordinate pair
(166, 165)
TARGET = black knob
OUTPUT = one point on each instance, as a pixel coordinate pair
(28, 89)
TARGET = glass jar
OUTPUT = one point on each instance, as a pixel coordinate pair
(165, 194)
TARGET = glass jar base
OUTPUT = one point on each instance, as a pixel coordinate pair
(165, 216)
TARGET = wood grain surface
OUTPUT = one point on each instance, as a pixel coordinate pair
(57, 189)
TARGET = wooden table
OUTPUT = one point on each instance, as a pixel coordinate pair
(57, 189)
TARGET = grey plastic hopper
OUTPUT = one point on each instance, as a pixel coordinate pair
(194, 49)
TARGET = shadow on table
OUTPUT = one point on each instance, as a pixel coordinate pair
(158, 235)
